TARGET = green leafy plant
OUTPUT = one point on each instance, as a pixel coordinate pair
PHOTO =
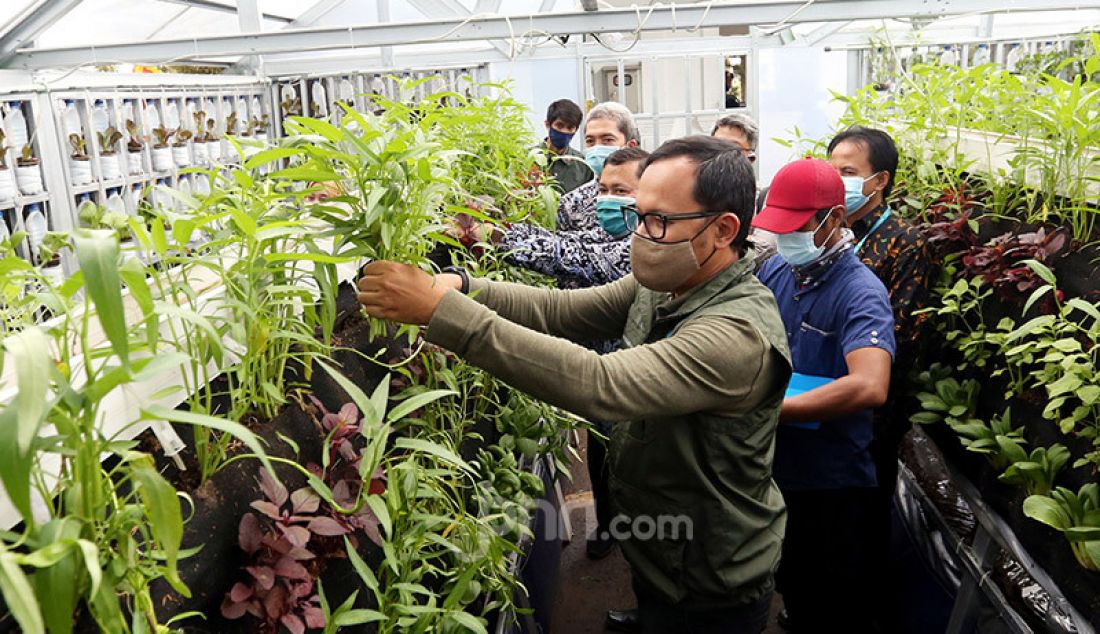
(945, 399)
(1076, 516)
(163, 136)
(1036, 473)
(108, 141)
(78, 146)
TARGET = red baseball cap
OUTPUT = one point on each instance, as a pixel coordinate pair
(799, 190)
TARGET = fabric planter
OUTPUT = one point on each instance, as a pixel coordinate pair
(108, 165)
(81, 171)
(180, 156)
(29, 179)
(133, 162)
(7, 185)
(201, 157)
(162, 159)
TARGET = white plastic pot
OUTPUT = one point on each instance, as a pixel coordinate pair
(108, 164)
(262, 136)
(7, 185)
(201, 157)
(81, 171)
(214, 151)
(29, 179)
(162, 159)
(133, 162)
(181, 156)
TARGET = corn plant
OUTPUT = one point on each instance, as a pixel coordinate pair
(107, 531)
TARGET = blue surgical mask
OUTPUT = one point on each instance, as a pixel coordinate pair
(597, 154)
(854, 198)
(798, 247)
(609, 211)
(560, 139)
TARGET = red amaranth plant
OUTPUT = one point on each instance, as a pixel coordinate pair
(999, 262)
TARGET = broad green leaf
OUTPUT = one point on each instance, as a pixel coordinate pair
(1044, 509)
(317, 126)
(162, 509)
(1042, 271)
(30, 351)
(97, 251)
(19, 596)
(468, 621)
(310, 174)
(358, 617)
(270, 156)
(15, 465)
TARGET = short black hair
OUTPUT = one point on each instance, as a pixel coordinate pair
(724, 180)
(882, 153)
(627, 155)
(566, 111)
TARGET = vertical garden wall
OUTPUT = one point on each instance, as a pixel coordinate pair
(1000, 170)
(335, 472)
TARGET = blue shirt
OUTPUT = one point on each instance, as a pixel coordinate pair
(845, 309)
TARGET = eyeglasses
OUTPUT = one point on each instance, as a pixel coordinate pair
(656, 224)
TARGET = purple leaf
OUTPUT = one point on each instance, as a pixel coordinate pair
(293, 624)
(296, 535)
(275, 603)
(249, 533)
(301, 554)
(342, 493)
(349, 414)
(287, 567)
(240, 592)
(272, 488)
(267, 508)
(315, 618)
(264, 575)
(318, 403)
(232, 610)
(304, 500)
(326, 526)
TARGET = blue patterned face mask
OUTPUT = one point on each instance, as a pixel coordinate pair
(609, 211)
(597, 154)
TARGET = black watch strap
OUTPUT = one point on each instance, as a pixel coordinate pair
(461, 272)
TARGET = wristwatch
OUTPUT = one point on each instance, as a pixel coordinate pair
(461, 272)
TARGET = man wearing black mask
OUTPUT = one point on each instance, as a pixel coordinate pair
(566, 165)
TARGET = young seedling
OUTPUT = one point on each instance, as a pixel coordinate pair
(108, 141)
(163, 136)
(27, 157)
(133, 143)
(79, 146)
(1037, 473)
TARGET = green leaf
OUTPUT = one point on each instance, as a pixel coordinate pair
(414, 403)
(925, 418)
(439, 451)
(358, 617)
(238, 431)
(318, 126)
(361, 568)
(312, 175)
(30, 351)
(1042, 271)
(372, 408)
(97, 251)
(468, 621)
(162, 509)
(1044, 509)
(19, 596)
(270, 156)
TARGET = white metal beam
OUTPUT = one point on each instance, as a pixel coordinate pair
(487, 6)
(746, 12)
(248, 15)
(823, 32)
(210, 5)
(320, 9)
(32, 25)
(433, 9)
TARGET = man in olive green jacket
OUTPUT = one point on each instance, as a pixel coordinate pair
(697, 387)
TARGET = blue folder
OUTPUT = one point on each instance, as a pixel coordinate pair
(800, 384)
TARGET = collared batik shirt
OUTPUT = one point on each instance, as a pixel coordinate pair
(898, 254)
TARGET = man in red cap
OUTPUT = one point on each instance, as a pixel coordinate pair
(840, 329)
